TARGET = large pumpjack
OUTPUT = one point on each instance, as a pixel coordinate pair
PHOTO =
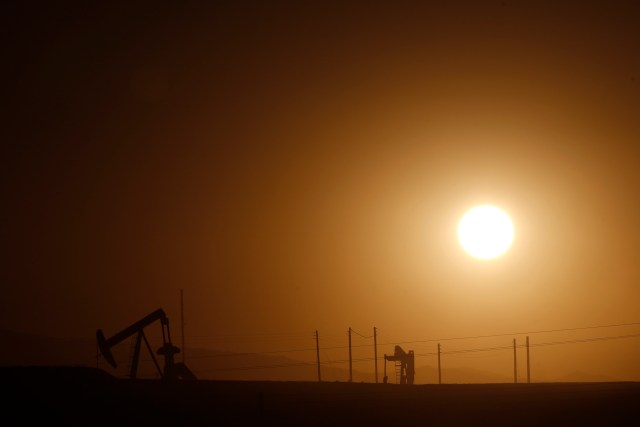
(404, 363)
(171, 371)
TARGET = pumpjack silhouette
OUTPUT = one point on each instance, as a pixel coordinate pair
(171, 370)
(405, 367)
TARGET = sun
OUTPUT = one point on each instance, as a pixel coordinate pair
(485, 232)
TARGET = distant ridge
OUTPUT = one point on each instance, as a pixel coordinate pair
(20, 349)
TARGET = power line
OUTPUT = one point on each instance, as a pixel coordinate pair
(284, 365)
(543, 344)
(310, 336)
(413, 341)
(368, 359)
(584, 340)
(450, 352)
(461, 351)
(253, 353)
(360, 335)
(513, 333)
(245, 368)
(251, 334)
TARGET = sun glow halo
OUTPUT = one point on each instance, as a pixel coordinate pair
(485, 232)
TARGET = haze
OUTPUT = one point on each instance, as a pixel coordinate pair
(297, 167)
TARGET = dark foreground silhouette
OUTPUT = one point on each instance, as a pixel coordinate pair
(86, 396)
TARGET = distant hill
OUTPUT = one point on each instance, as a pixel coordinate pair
(19, 349)
(426, 374)
(215, 364)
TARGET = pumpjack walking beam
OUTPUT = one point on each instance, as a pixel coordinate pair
(105, 345)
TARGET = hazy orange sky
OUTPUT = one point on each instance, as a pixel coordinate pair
(297, 166)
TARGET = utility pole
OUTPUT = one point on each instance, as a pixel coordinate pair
(528, 365)
(384, 379)
(184, 350)
(375, 351)
(318, 356)
(515, 363)
(350, 359)
(439, 367)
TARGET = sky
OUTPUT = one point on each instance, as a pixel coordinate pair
(302, 166)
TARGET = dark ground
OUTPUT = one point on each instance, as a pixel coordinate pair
(85, 396)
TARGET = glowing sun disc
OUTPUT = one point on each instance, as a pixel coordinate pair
(485, 232)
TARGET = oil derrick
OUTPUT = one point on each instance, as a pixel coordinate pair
(404, 363)
(171, 369)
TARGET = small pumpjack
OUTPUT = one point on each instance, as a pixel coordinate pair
(171, 371)
(405, 368)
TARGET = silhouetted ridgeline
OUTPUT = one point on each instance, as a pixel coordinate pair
(85, 396)
(20, 349)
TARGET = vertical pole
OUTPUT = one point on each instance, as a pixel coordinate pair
(184, 350)
(515, 363)
(439, 367)
(97, 356)
(136, 357)
(528, 365)
(384, 378)
(318, 356)
(350, 359)
(375, 351)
